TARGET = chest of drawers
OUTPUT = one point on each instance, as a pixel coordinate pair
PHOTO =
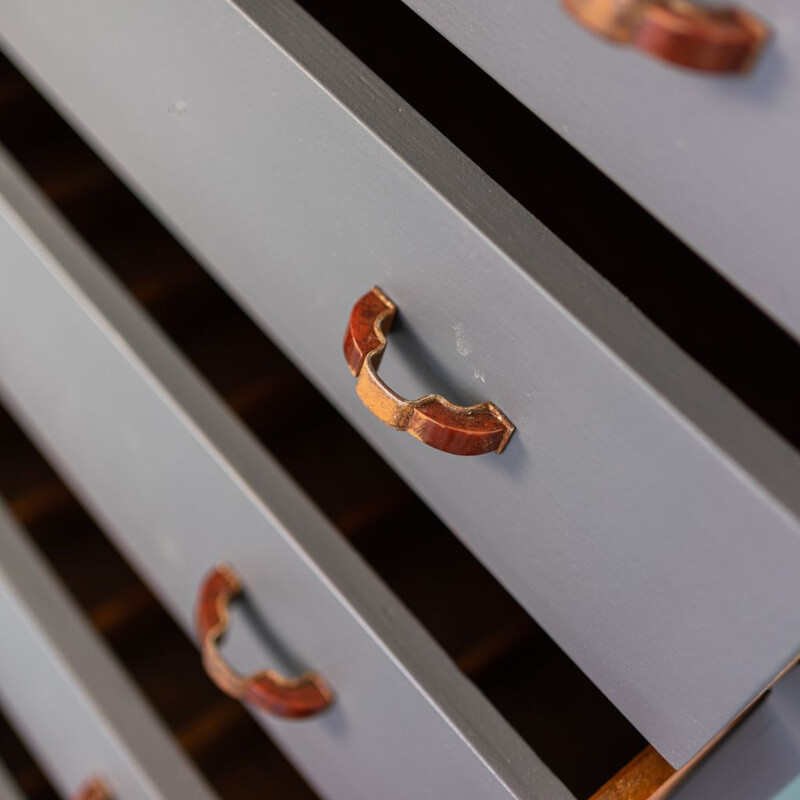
(642, 514)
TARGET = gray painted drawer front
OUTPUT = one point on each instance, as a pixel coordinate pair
(181, 486)
(760, 760)
(68, 698)
(644, 517)
(713, 157)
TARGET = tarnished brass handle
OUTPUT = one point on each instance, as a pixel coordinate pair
(463, 431)
(93, 789)
(284, 697)
(709, 39)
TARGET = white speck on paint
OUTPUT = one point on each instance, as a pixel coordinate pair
(178, 107)
(462, 343)
(479, 376)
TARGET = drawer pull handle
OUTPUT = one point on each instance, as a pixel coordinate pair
(463, 431)
(93, 789)
(291, 698)
(709, 39)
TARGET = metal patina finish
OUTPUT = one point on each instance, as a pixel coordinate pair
(463, 431)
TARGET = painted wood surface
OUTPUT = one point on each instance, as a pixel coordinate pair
(713, 157)
(641, 514)
(180, 485)
(68, 698)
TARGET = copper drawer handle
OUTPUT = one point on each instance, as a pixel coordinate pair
(291, 698)
(463, 431)
(93, 789)
(708, 39)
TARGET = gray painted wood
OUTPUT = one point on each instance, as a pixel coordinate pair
(712, 157)
(790, 791)
(68, 698)
(760, 760)
(8, 787)
(181, 486)
(643, 516)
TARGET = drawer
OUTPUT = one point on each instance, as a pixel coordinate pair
(643, 516)
(67, 696)
(711, 156)
(181, 487)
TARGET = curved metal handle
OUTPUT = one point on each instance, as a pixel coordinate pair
(93, 789)
(709, 39)
(291, 698)
(463, 431)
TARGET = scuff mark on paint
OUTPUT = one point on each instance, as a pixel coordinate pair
(462, 342)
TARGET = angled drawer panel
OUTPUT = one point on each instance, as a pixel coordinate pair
(711, 156)
(760, 760)
(181, 486)
(67, 696)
